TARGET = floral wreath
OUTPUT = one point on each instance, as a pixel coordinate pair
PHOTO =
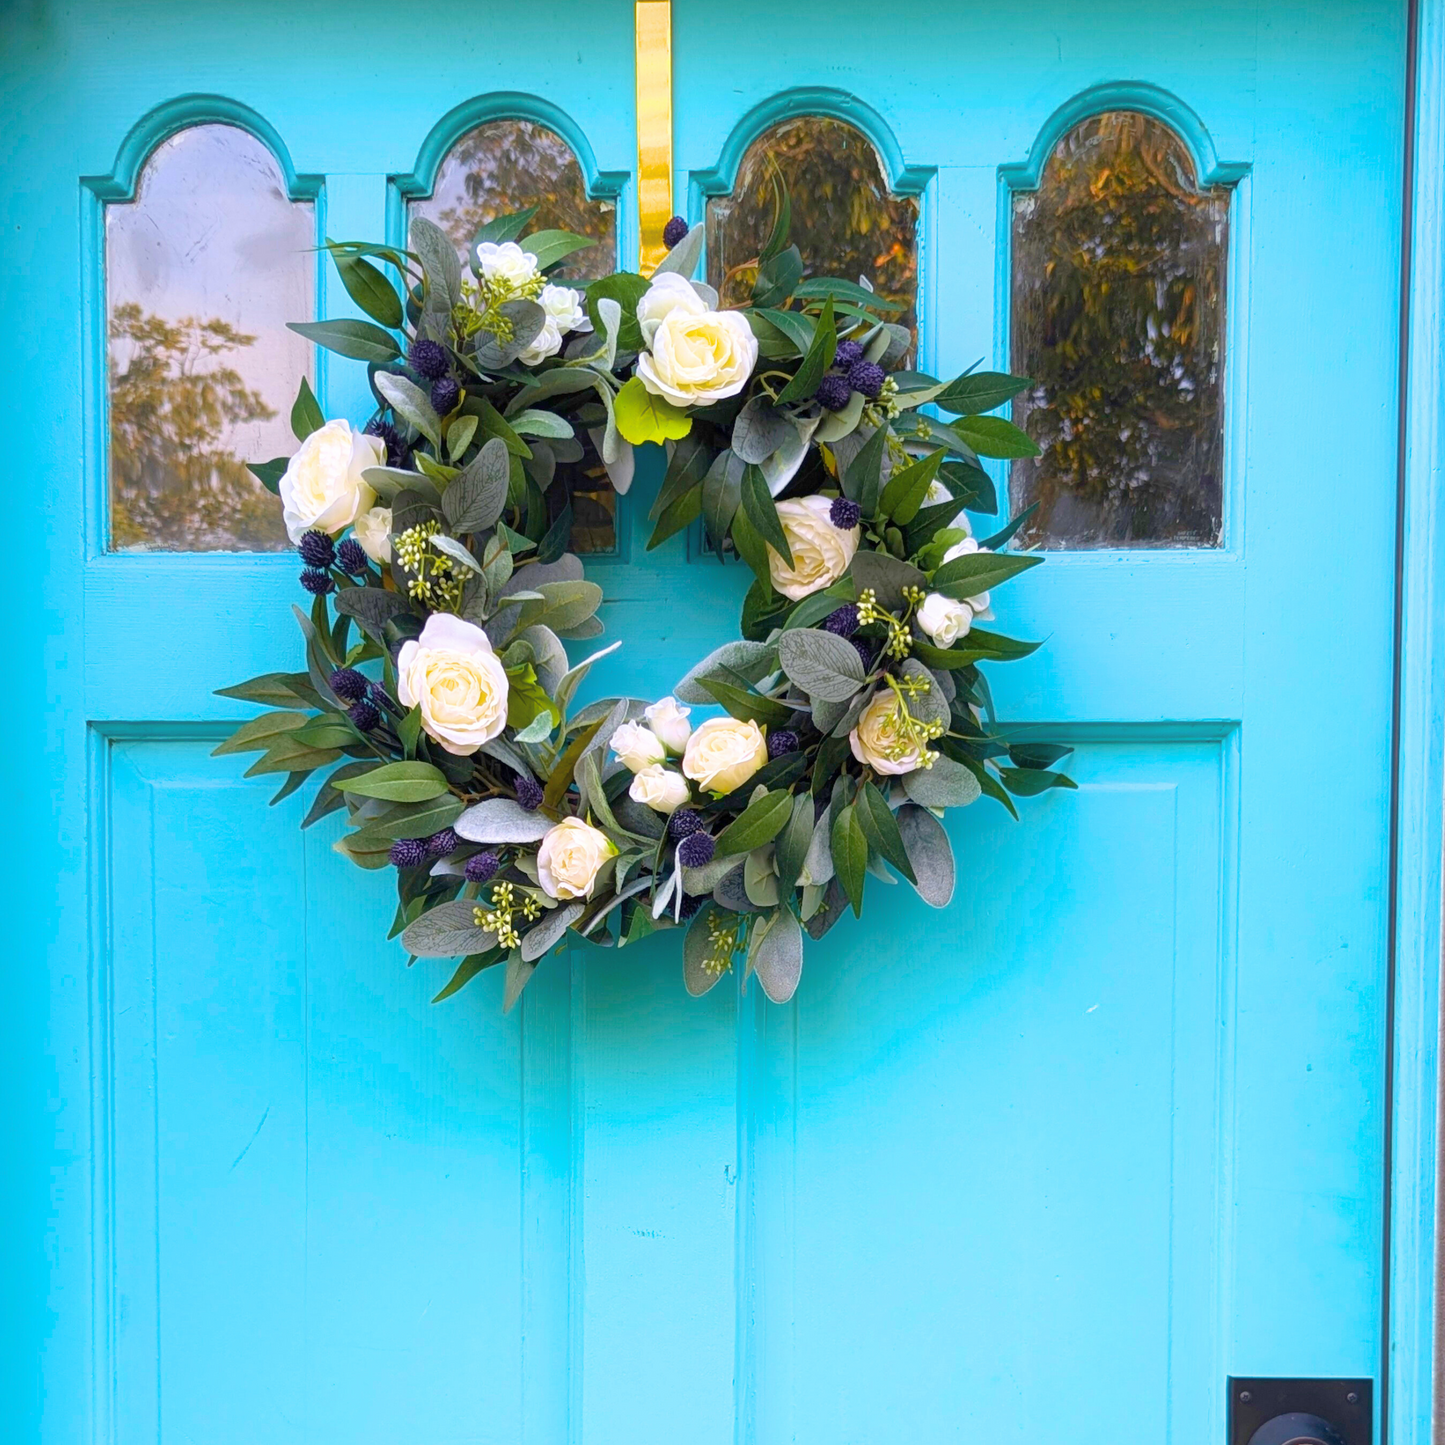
(853, 707)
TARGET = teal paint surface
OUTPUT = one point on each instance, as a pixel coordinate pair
(1107, 1130)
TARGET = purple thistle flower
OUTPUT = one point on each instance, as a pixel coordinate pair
(317, 582)
(833, 392)
(481, 867)
(845, 514)
(316, 549)
(529, 792)
(783, 740)
(674, 231)
(847, 353)
(696, 849)
(408, 852)
(427, 358)
(351, 557)
(365, 715)
(843, 622)
(867, 377)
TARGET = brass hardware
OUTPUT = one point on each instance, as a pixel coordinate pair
(654, 129)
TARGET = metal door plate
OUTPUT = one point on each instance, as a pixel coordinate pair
(1348, 1405)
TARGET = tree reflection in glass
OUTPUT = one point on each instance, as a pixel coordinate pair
(845, 220)
(506, 166)
(1119, 268)
(203, 269)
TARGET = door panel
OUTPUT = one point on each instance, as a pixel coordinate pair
(1106, 1130)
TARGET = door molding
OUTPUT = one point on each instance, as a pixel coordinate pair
(1413, 1132)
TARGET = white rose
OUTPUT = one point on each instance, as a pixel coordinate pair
(373, 530)
(724, 753)
(669, 293)
(547, 342)
(875, 739)
(670, 723)
(507, 265)
(936, 495)
(569, 858)
(460, 683)
(698, 357)
(564, 306)
(663, 789)
(944, 619)
(821, 551)
(967, 548)
(322, 486)
(637, 746)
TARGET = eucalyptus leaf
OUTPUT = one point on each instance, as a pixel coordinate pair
(543, 934)
(447, 931)
(475, 500)
(760, 429)
(946, 784)
(823, 665)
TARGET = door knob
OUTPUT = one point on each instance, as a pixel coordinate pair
(1296, 1428)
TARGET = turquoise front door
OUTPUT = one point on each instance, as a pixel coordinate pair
(1052, 1170)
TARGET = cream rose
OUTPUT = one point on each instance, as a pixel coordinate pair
(821, 551)
(724, 753)
(669, 722)
(322, 486)
(373, 530)
(668, 293)
(570, 857)
(664, 790)
(875, 739)
(564, 306)
(944, 619)
(637, 746)
(459, 682)
(547, 342)
(506, 265)
(698, 357)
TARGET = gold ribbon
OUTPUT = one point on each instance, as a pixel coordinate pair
(654, 128)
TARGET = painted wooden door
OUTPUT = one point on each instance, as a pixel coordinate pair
(1052, 1164)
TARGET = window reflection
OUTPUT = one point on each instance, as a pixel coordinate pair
(1119, 268)
(845, 220)
(506, 166)
(203, 269)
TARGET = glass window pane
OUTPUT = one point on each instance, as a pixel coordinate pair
(203, 270)
(845, 220)
(1119, 267)
(506, 166)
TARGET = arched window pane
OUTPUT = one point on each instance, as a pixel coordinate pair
(845, 220)
(203, 269)
(1119, 263)
(506, 166)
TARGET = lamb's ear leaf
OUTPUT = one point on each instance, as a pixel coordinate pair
(930, 853)
(698, 976)
(778, 958)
